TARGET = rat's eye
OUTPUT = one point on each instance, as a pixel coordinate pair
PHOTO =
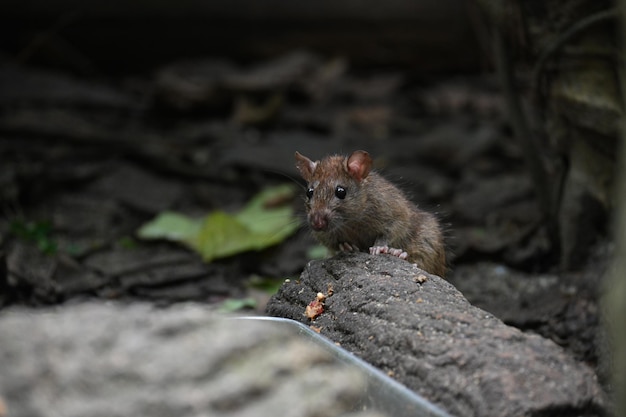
(340, 192)
(309, 192)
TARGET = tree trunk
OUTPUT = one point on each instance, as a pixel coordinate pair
(615, 301)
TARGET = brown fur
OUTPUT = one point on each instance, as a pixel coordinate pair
(373, 213)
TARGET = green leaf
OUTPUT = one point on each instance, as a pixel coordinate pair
(171, 226)
(318, 252)
(127, 242)
(265, 221)
(38, 232)
(222, 235)
(263, 215)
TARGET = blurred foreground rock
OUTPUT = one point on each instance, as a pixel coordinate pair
(97, 359)
(421, 330)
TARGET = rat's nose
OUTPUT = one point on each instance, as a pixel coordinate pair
(318, 221)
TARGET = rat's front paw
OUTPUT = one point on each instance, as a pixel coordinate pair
(376, 250)
(346, 247)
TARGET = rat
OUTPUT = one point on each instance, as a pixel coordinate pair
(352, 208)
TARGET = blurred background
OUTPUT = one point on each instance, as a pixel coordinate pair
(126, 125)
(121, 38)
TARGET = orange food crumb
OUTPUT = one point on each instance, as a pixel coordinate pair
(314, 309)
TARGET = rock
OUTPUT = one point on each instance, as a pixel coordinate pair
(97, 359)
(518, 299)
(20, 86)
(276, 74)
(123, 261)
(476, 196)
(36, 277)
(160, 272)
(28, 266)
(275, 152)
(561, 308)
(421, 330)
(190, 85)
(139, 189)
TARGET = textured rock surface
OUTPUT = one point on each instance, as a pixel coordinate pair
(420, 329)
(112, 360)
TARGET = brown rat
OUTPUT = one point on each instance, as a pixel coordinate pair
(350, 207)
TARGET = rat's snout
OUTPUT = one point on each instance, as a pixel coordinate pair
(318, 220)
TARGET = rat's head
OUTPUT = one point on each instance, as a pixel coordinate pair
(333, 192)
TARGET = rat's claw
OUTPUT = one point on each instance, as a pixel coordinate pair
(346, 247)
(377, 250)
(398, 252)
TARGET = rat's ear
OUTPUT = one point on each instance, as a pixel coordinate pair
(305, 166)
(358, 165)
